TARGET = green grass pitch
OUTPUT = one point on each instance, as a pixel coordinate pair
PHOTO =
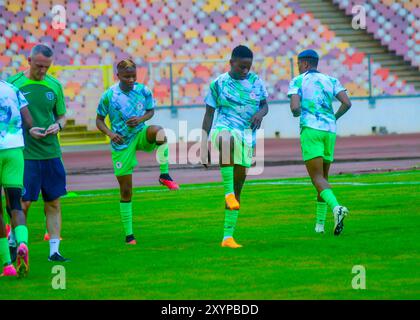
(178, 255)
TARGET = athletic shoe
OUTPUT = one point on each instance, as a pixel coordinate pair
(56, 257)
(339, 213)
(230, 243)
(22, 260)
(47, 237)
(231, 202)
(9, 271)
(166, 180)
(319, 228)
(8, 229)
(130, 239)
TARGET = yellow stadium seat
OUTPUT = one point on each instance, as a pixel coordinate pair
(207, 8)
(343, 45)
(101, 6)
(190, 34)
(112, 30)
(69, 92)
(94, 11)
(14, 6)
(210, 40)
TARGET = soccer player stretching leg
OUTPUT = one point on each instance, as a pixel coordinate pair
(129, 105)
(239, 97)
(311, 95)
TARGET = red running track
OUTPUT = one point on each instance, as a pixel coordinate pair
(89, 170)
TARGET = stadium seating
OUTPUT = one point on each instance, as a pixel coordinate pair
(197, 35)
(395, 24)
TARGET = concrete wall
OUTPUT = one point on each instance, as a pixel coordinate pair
(397, 115)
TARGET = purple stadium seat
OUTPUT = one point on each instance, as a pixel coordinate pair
(398, 17)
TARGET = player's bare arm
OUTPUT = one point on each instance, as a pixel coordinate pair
(61, 122)
(345, 104)
(207, 123)
(295, 105)
(259, 115)
(135, 121)
(26, 117)
(57, 126)
(101, 125)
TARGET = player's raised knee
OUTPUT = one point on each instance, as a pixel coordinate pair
(156, 134)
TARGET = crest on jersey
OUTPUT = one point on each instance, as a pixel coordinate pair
(49, 95)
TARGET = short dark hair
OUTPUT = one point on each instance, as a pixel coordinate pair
(44, 49)
(126, 64)
(313, 62)
(242, 52)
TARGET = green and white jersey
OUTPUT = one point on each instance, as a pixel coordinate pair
(121, 106)
(316, 91)
(11, 102)
(45, 102)
(236, 102)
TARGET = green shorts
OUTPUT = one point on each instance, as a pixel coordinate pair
(242, 154)
(12, 166)
(125, 160)
(316, 143)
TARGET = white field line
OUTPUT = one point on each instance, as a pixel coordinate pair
(259, 183)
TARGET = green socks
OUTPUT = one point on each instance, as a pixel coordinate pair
(231, 217)
(21, 233)
(321, 212)
(126, 211)
(227, 177)
(4, 252)
(162, 155)
(329, 198)
(46, 227)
